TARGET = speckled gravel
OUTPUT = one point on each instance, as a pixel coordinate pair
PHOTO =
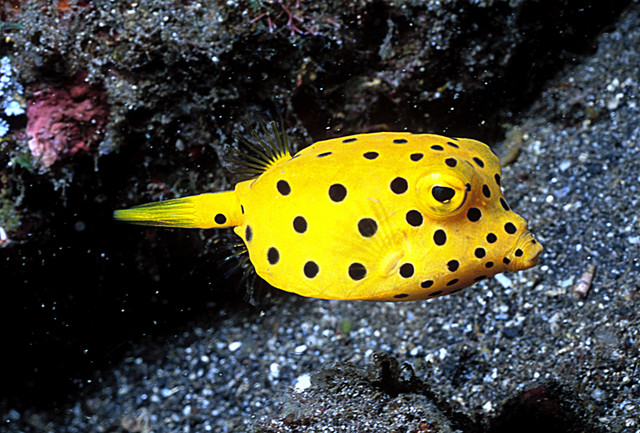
(577, 179)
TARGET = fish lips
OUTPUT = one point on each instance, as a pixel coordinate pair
(524, 254)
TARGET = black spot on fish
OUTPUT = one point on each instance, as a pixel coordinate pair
(478, 161)
(311, 269)
(273, 255)
(453, 265)
(474, 214)
(220, 219)
(283, 187)
(300, 224)
(337, 192)
(357, 271)
(406, 270)
(414, 218)
(399, 185)
(367, 227)
(426, 284)
(504, 204)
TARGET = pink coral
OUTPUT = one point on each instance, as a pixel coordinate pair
(65, 120)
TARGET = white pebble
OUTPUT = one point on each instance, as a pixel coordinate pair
(302, 382)
(442, 353)
(235, 346)
(274, 370)
(564, 165)
(503, 280)
(566, 282)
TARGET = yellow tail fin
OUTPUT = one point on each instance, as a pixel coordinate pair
(202, 211)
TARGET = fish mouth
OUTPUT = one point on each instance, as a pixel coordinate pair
(524, 254)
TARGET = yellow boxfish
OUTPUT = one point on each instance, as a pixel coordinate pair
(386, 216)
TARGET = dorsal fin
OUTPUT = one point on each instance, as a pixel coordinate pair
(269, 148)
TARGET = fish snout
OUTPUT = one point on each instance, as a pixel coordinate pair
(524, 254)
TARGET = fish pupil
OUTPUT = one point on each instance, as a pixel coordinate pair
(443, 193)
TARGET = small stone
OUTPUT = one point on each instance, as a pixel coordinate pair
(274, 370)
(235, 346)
(598, 395)
(564, 165)
(503, 280)
(302, 382)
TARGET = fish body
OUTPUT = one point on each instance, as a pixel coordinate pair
(381, 216)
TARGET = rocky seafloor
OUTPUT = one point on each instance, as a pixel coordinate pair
(520, 352)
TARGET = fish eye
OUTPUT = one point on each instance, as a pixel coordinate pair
(441, 194)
